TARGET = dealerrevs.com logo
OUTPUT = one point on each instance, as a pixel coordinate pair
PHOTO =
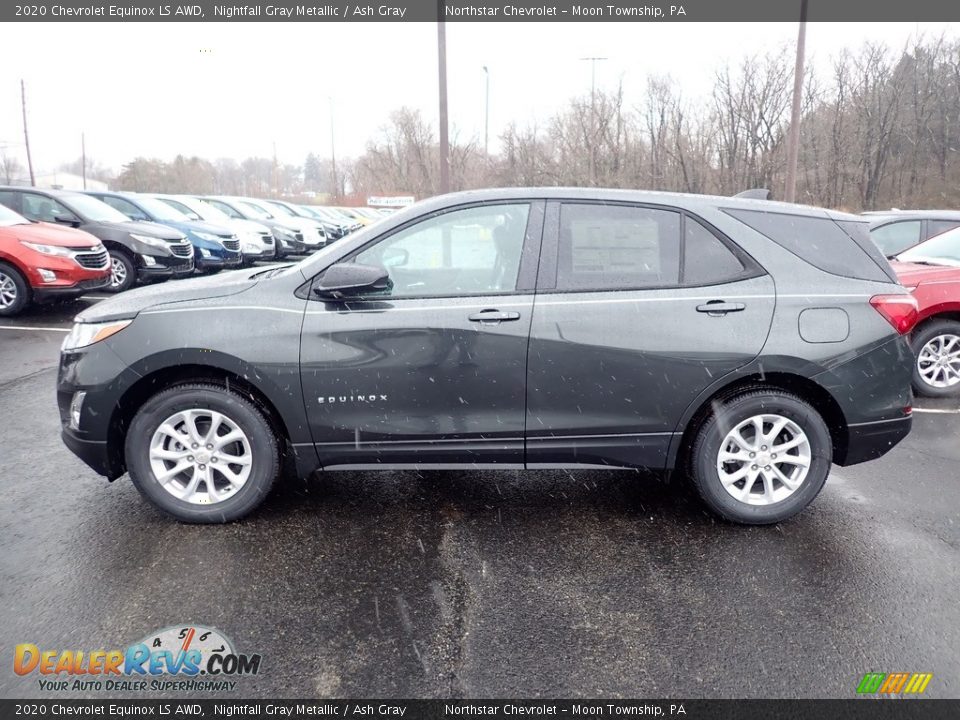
(185, 658)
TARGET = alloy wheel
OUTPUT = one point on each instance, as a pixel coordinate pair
(8, 291)
(200, 456)
(938, 362)
(764, 459)
(118, 272)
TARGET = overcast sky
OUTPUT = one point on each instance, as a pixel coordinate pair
(233, 89)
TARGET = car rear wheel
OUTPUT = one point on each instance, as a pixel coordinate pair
(936, 368)
(123, 271)
(14, 291)
(761, 457)
(202, 453)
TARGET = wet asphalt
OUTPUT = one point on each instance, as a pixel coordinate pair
(480, 584)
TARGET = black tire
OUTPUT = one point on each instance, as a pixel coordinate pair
(21, 290)
(264, 451)
(926, 333)
(129, 273)
(706, 446)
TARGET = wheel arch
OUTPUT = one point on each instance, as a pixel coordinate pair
(803, 387)
(171, 375)
(950, 312)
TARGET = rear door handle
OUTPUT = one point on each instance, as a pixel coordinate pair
(718, 308)
(493, 316)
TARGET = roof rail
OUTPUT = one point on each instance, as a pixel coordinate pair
(754, 194)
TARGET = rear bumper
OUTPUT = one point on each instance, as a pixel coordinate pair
(868, 441)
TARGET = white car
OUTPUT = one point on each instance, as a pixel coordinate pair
(256, 240)
(314, 236)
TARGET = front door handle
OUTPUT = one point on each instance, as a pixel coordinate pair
(493, 316)
(719, 308)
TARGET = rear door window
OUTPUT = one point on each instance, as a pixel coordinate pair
(617, 247)
(706, 259)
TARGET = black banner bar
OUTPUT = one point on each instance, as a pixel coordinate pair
(482, 11)
(858, 709)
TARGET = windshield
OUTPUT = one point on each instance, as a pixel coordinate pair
(281, 210)
(92, 210)
(943, 249)
(205, 210)
(254, 210)
(160, 210)
(8, 217)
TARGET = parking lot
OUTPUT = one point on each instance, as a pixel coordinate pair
(562, 584)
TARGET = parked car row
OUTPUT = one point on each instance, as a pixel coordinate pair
(108, 240)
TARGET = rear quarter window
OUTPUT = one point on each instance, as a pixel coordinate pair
(819, 241)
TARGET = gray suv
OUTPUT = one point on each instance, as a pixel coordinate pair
(740, 345)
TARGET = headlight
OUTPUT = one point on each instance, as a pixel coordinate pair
(151, 241)
(48, 249)
(209, 237)
(84, 334)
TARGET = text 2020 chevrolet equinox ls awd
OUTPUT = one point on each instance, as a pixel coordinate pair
(743, 344)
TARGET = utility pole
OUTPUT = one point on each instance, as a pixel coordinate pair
(793, 140)
(333, 154)
(83, 158)
(486, 114)
(273, 190)
(26, 137)
(444, 137)
(593, 116)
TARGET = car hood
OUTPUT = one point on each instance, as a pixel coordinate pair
(128, 304)
(50, 234)
(151, 229)
(206, 227)
(913, 274)
(248, 226)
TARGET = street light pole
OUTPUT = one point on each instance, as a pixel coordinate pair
(793, 140)
(333, 154)
(593, 116)
(486, 114)
(444, 138)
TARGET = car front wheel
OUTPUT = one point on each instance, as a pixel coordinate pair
(123, 272)
(14, 291)
(761, 457)
(936, 368)
(202, 454)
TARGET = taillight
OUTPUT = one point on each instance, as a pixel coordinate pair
(901, 311)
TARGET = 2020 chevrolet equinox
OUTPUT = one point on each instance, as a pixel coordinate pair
(742, 344)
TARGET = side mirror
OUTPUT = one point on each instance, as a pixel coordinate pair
(346, 280)
(63, 219)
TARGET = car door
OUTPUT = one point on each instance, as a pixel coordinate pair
(431, 371)
(638, 309)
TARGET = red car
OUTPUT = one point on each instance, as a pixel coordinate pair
(39, 262)
(931, 270)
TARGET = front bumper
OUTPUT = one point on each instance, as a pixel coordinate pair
(168, 266)
(42, 293)
(207, 263)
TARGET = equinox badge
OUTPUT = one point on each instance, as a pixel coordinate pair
(334, 399)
